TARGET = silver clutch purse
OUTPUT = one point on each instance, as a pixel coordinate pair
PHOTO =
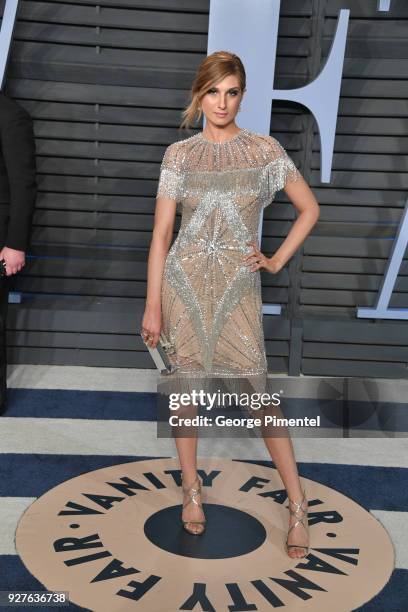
(160, 354)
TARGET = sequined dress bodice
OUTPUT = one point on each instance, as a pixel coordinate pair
(211, 303)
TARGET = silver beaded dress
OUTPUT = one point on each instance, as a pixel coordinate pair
(211, 303)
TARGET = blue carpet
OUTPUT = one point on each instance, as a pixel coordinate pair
(15, 577)
(142, 406)
(31, 475)
(24, 475)
(393, 597)
(75, 404)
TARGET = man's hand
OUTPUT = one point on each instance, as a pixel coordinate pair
(14, 259)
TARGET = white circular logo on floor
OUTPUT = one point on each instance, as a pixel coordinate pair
(113, 539)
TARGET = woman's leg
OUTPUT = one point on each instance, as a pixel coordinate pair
(282, 454)
(187, 452)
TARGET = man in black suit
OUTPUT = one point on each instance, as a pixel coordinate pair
(18, 190)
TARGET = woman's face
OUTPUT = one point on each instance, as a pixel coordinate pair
(220, 103)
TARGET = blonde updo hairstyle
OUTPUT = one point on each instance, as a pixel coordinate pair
(213, 68)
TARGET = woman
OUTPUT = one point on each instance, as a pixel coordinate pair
(204, 294)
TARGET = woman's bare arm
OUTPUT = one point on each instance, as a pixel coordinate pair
(303, 199)
(164, 218)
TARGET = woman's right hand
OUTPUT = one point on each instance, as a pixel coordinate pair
(151, 326)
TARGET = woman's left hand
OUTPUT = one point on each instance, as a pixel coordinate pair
(257, 260)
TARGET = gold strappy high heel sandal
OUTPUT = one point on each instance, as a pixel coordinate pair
(192, 492)
(300, 514)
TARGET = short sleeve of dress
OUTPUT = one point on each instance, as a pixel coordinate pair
(171, 174)
(281, 168)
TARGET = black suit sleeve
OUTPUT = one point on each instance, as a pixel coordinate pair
(18, 146)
